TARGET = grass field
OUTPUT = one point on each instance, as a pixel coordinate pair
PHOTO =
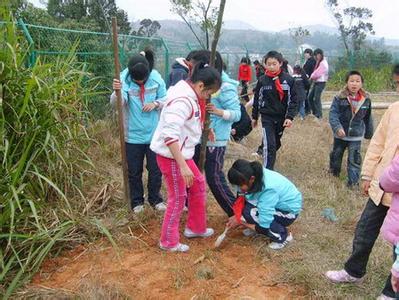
(244, 268)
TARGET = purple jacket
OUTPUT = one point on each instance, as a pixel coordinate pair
(389, 182)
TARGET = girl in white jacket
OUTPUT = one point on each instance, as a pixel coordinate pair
(174, 140)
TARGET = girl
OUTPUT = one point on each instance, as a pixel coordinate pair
(389, 182)
(301, 84)
(272, 202)
(244, 76)
(225, 110)
(320, 77)
(350, 120)
(143, 91)
(177, 133)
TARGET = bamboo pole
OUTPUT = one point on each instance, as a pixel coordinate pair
(204, 139)
(120, 110)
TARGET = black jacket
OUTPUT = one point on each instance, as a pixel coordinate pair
(309, 66)
(302, 84)
(355, 124)
(242, 127)
(267, 100)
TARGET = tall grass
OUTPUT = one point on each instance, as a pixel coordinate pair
(43, 156)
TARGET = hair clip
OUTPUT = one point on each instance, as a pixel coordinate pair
(142, 53)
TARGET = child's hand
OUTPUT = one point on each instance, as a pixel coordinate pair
(233, 131)
(149, 107)
(211, 108)
(254, 123)
(187, 175)
(232, 222)
(366, 187)
(341, 133)
(116, 85)
(395, 284)
(211, 135)
(287, 123)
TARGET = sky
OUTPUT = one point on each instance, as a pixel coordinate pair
(272, 15)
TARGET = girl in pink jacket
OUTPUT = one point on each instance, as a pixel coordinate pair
(389, 182)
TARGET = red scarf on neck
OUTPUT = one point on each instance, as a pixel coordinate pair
(142, 93)
(276, 78)
(358, 97)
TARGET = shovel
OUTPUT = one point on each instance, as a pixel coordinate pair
(220, 238)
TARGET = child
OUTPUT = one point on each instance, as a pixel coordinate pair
(225, 110)
(389, 182)
(302, 84)
(244, 76)
(177, 133)
(272, 202)
(276, 101)
(143, 90)
(350, 120)
(320, 77)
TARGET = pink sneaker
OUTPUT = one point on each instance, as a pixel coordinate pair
(341, 276)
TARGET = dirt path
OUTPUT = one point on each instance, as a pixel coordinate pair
(142, 271)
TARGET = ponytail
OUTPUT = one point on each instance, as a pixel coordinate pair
(208, 75)
(150, 57)
(241, 172)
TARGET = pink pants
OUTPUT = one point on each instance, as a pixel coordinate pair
(177, 195)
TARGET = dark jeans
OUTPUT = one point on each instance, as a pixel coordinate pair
(354, 159)
(315, 98)
(244, 90)
(307, 105)
(367, 230)
(272, 133)
(278, 228)
(216, 179)
(135, 154)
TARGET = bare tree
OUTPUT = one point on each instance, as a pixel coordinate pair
(197, 14)
(353, 25)
(298, 35)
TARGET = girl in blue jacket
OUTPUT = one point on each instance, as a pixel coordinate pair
(272, 202)
(143, 91)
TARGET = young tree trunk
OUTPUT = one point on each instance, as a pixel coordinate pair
(215, 41)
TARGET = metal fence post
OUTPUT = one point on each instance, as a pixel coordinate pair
(32, 52)
(166, 72)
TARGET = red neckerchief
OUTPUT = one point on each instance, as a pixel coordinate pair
(276, 78)
(201, 103)
(238, 207)
(142, 93)
(358, 97)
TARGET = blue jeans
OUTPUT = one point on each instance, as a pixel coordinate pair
(135, 154)
(354, 159)
(315, 99)
(277, 231)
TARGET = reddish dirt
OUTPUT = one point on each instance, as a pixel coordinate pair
(145, 272)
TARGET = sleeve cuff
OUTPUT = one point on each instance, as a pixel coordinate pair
(226, 115)
(170, 141)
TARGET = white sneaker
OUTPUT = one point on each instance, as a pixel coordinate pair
(138, 209)
(278, 246)
(189, 234)
(248, 232)
(383, 297)
(160, 206)
(341, 276)
(178, 248)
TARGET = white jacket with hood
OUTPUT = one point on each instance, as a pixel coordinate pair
(180, 122)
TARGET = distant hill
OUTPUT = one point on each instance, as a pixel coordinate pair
(237, 25)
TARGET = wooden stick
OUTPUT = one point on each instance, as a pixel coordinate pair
(204, 139)
(120, 110)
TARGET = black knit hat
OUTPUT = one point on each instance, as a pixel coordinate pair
(139, 67)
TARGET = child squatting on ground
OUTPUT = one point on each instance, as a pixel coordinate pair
(270, 202)
(175, 137)
(143, 91)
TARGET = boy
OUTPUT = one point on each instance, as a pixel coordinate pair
(350, 120)
(276, 101)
